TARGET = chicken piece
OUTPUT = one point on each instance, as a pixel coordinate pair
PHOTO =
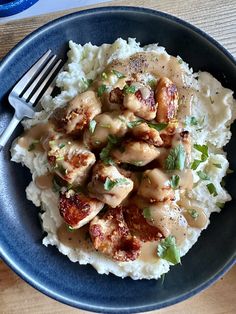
(155, 186)
(135, 153)
(70, 160)
(167, 97)
(111, 236)
(141, 103)
(77, 209)
(73, 118)
(108, 123)
(108, 185)
(145, 133)
(139, 225)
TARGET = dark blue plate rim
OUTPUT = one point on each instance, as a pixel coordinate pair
(54, 294)
(15, 7)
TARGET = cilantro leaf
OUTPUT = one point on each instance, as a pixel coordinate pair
(202, 149)
(147, 213)
(174, 181)
(134, 123)
(157, 126)
(193, 213)
(176, 158)
(195, 164)
(32, 146)
(168, 250)
(129, 89)
(202, 175)
(191, 121)
(92, 126)
(118, 74)
(62, 145)
(212, 189)
(101, 89)
(110, 184)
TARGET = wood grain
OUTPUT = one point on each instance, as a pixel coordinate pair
(218, 19)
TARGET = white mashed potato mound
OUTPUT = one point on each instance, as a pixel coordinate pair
(214, 106)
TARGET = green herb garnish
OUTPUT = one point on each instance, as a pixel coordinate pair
(134, 123)
(110, 184)
(105, 152)
(129, 89)
(70, 229)
(202, 175)
(147, 213)
(229, 171)
(193, 213)
(118, 74)
(104, 76)
(212, 189)
(168, 250)
(60, 158)
(180, 60)
(220, 205)
(152, 84)
(32, 146)
(92, 126)
(176, 158)
(202, 149)
(101, 89)
(157, 126)
(174, 181)
(62, 145)
(87, 82)
(191, 121)
(217, 166)
(195, 164)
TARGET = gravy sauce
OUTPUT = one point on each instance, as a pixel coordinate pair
(74, 239)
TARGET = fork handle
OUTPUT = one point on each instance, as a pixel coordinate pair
(4, 137)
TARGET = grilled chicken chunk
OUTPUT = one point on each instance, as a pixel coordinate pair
(73, 118)
(70, 160)
(135, 153)
(142, 102)
(145, 133)
(77, 209)
(109, 185)
(138, 224)
(111, 236)
(155, 186)
(108, 123)
(167, 97)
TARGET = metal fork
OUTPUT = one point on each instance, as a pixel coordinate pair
(27, 93)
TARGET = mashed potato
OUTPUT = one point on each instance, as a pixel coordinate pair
(213, 109)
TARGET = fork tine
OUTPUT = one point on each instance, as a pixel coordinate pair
(19, 87)
(35, 82)
(44, 83)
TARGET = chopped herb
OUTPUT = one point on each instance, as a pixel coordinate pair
(180, 60)
(223, 183)
(129, 89)
(118, 74)
(107, 126)
(62, 145)
(202, 149)
(147, 213)
(157, 126)
(70, 229)
(104, 76)
(105, 152)
(32, 146)
(110, 184)
(220, 205)
(176, 158)
(60, 158)
(134, 123)
(212, 189)
(193, 213)
(92, 126)
(202, 175)
(191, 121)
(217, 166)
(113, 139)
(195, 164)
(56, 186)
(152, 84)
(87, 82)
(168, 250)
(229, 171)
(212, 100)
(174, 181)
(101, 89)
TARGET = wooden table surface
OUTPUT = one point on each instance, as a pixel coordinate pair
(217, 18)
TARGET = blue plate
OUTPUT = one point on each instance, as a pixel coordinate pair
(20, 232)
(8, 7)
